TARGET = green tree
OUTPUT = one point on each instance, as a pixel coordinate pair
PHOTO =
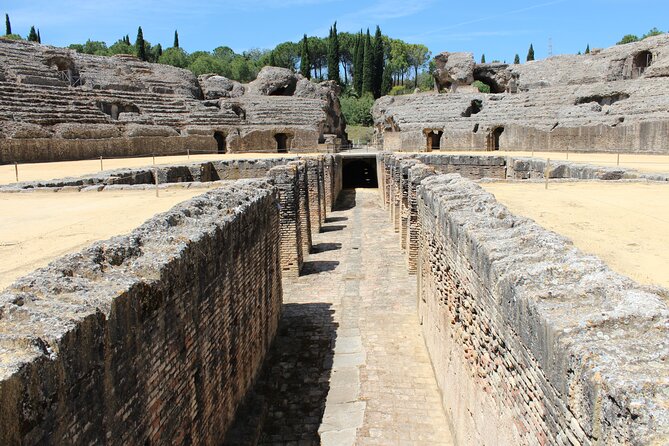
(482, 58)
(516, 60)
(8, 25)
(305, 65)
(357, 111)
(333, 55)
(176, 39)
(387, 83)
(653, 32)
(368, 65)
(156, 52)
(378, 49)
(629, 38)
(39, 37)
(121, 47)
(587, 49)
(32, 35)
(175, 57)
(530, 53)
(140, 45)
(358, 62)
(347, 42)
(419, 55)
(127, 40)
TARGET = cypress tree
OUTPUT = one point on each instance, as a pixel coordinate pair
(378, 62)
(387, 83)
(140, 46)
(305, 62)
(32, 35)
(127, 39)
(587, 49)
(368, 65)
(8, 25)
(176, 39)
(333, 55)
(482, 58)
(358, 63)
(39, 37)
(530, 53)
(516, 60)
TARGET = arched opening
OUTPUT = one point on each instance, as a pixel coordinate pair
(114, 109)
(434, 140)
(359, 172)
(281, 142)
(221, 142)
(66, 70)
(641, 61)
(493, 138)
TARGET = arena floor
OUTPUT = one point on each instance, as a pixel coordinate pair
(38, 227)
(625, 224)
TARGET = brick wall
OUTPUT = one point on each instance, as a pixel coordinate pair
(149, 338)
(532, 341)
(286, 181)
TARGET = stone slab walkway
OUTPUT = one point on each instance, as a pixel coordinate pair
(349, 365)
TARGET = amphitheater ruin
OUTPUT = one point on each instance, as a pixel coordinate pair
(190, 260)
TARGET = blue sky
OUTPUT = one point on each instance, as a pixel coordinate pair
(498, 28)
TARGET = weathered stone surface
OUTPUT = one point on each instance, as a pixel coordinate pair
(152, 337)
(214, 87)
(46, 86)
(606, 101)
(453, 70)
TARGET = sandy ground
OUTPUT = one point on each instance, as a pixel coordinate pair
(625, 224)
(37, 227)
(50, 171)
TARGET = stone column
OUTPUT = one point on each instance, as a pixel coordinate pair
(285, 179)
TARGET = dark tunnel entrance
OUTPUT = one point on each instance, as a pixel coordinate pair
(359, 172)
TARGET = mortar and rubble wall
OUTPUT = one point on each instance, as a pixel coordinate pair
(56, 105)
(532, 341)
(156, 336)
(611, 100)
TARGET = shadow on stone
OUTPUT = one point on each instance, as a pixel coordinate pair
(335, 219)
(318, 266)
(346, 200)
(287, 402)
(323, 247)
(332, 228)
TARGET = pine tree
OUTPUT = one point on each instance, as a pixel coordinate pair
(516, 60)
(378, 62)
(530, 53)
(305, 62)
(8, 25)
(587, 49)
(333, 55)
(482, 58)
(140, 46)
(271, 60)
(359, 63)
(32, 35)
(39, 37)
(368, 65)
(176, 39)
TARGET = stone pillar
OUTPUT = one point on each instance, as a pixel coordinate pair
(314, 198)
(328, 178)
(322, 191)
(285, 179)
(404, 167)
(305, 222)
(416, 174)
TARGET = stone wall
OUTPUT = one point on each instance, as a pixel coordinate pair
(605, 101)
(149, 338)
(56, 104)
(287, 182)
(532, 341)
